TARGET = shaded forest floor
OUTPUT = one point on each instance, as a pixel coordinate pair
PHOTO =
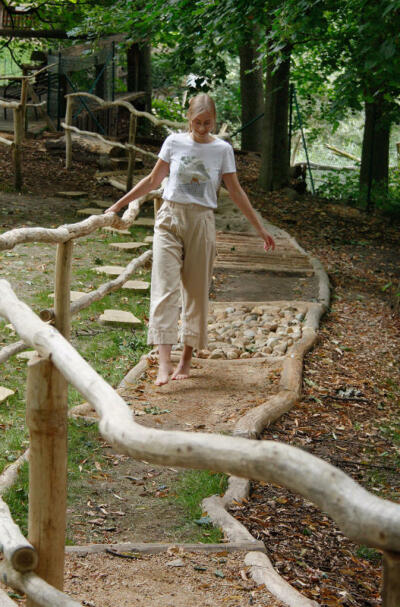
(348, 414)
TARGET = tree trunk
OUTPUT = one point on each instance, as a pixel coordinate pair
(139, 73)
(275, 158)
(374, 171)
(252, 98)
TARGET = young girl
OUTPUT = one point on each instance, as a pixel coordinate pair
(184, 233)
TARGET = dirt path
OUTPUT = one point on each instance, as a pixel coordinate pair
(346, 246)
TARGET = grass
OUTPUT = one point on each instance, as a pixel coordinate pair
(192, 487)
(111, 351)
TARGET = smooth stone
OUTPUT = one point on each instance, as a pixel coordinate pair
(90, 211)
(218, 353)
(272, 341)
(230, 310)
(127, 246)
(119, 317)
(27, 355)
(116, 231)
(144, 221)
(73, 295)
(136, 285)
(112, 270)
(249, 334)
(76, 194)
(203, 353)
(245, 355)
(232, 354)
(5, 393)
(300, 317)
(103, 204)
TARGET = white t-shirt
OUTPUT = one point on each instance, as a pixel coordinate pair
(195, 169)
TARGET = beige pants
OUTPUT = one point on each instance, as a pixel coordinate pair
(183, 257)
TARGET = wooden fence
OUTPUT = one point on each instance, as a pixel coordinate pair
(19, 109)
(36, 566)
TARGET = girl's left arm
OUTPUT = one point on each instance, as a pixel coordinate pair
(241, 200)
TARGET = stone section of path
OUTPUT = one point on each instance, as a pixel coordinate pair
(5, 393)
(119, 317)
(111, 270)
(90, 211)
(136, 285)
(74, 295)
(253, 330)
(127, 246)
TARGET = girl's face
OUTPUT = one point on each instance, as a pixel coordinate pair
(201, 126)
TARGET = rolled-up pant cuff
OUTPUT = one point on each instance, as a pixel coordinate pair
(156, 337)
(194, 341)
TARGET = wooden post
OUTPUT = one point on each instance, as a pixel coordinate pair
(46, 413)
(68, 134)
(62, 288)
(24, 98)
(17, 149)
(131, 153)
(41, 110)
(391, 579)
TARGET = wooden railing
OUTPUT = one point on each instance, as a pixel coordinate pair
(361, 516)
(130, 146)
(19, 109)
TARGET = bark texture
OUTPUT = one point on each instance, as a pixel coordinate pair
(252, 98)
(275, 158)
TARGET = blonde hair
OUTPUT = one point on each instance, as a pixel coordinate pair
(199, 104)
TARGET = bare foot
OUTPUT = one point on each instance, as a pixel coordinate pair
(182, 371)
(164, 371)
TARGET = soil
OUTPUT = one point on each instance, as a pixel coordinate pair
(357, 351)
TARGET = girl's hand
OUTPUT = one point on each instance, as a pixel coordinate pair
(269, 242)
(114, 208)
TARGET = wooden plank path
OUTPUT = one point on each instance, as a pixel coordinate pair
(243, 251)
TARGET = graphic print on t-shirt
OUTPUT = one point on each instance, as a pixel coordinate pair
(192, 176)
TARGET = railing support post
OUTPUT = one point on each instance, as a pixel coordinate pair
(46, 411)
(17, 149)
(62, 288)
(391, 579)
(131, 153)
(68, 134)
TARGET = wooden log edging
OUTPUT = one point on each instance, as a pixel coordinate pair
(362, 516)
(104, 289)
(10, 239)
(21, 555)
(262, 572)
(35, 588)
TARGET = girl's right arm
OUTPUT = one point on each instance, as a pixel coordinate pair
(145, 185)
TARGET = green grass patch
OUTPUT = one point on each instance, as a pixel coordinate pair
(191, 488)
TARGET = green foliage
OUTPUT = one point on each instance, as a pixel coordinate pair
(169, 109)
(339, 186)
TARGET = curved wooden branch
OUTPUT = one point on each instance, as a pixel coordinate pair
(10, 239)
(116, 144)
(11, 350)
(9, 475)
(362, 516)
(132, 109)
(106, 288)
(35, 588)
